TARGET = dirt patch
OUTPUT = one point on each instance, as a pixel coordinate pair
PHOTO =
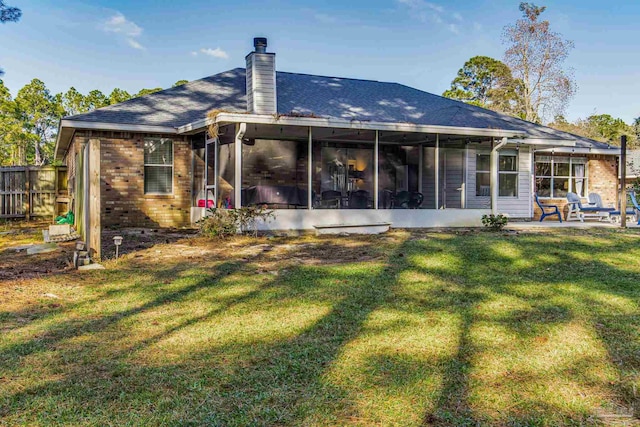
(137, 239)
(15, 265)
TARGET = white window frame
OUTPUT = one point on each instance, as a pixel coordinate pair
(552, 160)
(159, 165)
(482, 171)
(510, 153)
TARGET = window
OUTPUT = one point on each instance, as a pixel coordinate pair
(508, 174)
(556, 176)
(158, 166)
(483, 175)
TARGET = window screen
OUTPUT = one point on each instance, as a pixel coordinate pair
(158, 166)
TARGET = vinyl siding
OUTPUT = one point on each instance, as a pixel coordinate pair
(520, 206)
(473, 201)
(261, 83)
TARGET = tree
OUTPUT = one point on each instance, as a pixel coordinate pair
(485, 82)
(12, 138)
(536, 56)
(8, 13)
(118, 95)
(94, 100)
(73, 102)
(39, 113)
(180, 83)
(144, 92)
(601, 127)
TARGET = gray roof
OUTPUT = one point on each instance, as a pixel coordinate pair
(364, 100)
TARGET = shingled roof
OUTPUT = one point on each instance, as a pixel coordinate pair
(335, 97)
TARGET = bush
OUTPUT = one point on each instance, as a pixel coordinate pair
(495, 222)
(222, 223)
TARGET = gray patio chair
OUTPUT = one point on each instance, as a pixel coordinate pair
(580, 212)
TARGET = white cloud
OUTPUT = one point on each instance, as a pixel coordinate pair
(216, 53)
(118, 24)
(134, 44)
(428, 12)
(194, 53)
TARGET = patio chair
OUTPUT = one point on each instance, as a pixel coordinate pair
(330, 199)
(553, 210)
(579, 212)
(632, 211)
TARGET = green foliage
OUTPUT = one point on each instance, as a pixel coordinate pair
(39, 112)
(485, 82)
(144, 92)
(495, 222)
(118, 95)
(601, 127)
(8, 13)
(180, 83)
(223, 223)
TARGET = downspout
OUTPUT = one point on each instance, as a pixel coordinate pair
(494, 175)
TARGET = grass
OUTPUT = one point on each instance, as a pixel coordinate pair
(460, 329)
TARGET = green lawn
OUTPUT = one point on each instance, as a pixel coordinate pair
(460, 329)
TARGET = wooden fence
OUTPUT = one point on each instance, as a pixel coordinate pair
(32, 191)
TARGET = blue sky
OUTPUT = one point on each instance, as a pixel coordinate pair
(143, 43)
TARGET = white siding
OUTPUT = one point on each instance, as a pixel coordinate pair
(261, 83)
(520, 207)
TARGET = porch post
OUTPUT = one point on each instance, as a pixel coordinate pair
(493, 169)
(241, 128)
(437, 171)
(216, 180)
(494, 159)
(375, 170)
(310, 171)
(420, 166)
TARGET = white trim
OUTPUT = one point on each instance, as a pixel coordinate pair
(545, 142)
(145, 165)
(78, 124)
(436, 154)
(272, 119)
(241, 129)
(613, 151)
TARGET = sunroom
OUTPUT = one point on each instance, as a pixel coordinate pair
(314, 171)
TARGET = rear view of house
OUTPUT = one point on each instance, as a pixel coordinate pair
(319, 150)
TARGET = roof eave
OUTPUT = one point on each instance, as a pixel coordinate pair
(67, 127)
(330, 122)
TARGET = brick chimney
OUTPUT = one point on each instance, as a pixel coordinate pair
(261, 79)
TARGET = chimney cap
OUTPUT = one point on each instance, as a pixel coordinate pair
(260, 44)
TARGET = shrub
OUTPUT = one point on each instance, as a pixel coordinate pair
(222, 223)
(495, 222)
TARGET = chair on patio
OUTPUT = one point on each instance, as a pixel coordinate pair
(553, 210)
(632, 211)
(331, 199)
(579, 212)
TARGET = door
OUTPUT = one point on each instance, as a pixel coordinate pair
(452, 178)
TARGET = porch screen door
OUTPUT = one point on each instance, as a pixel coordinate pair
(211, 170)
(452, 178)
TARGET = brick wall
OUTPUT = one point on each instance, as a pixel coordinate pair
(124, 203)
(603, 179)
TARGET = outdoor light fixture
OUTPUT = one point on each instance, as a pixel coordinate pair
(117, 240)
